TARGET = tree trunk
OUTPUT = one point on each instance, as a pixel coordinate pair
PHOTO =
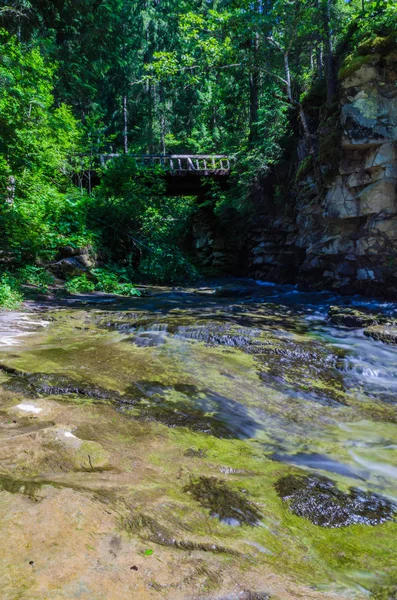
(320, 60)
(305, 126)
(310, 148)
(254, 91)
(11, 184)
(330, 70)
(125, 117)
(254, 104)
(288, 77)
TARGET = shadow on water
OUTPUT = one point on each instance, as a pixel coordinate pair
(197, 409)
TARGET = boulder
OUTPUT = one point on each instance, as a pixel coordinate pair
(383, 333)
(353, 318)
(68, 267)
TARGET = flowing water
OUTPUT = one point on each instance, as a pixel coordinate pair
(225, 442)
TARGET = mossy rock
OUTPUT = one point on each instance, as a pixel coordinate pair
(385, 333)
(378, 45)
(226, 504)
(304, 168)
(320, 501)
(353, 318)
(353, 63)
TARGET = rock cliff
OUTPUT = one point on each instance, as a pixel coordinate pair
(348, 235)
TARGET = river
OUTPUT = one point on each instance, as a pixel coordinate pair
(220, 442)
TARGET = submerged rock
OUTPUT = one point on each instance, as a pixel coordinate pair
(320, 501)
(184, 414)
(49, 384)
(226, 504)
(298, 367)
(152, 530)
(245, 595)
(385, 593)
(385, 333)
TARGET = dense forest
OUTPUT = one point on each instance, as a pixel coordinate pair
(235, 77)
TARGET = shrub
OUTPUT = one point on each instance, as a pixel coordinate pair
(36, 276)
(79, 285)
(109, 281)
(10, 294)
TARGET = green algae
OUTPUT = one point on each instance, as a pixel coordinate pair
(19, 486)
(223, 502)
(353, 63)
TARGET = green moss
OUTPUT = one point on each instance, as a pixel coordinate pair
(18, 486)
(385, 592)
(353, 63)
(378, 45)
(304, 168)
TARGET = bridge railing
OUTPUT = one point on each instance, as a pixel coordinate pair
(181, 164)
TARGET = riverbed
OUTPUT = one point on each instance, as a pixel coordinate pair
(226, 441)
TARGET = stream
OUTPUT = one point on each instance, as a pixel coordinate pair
(227, 442)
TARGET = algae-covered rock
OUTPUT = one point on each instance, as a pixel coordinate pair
(86, 455)
(320, 501)
(385, 593)
(229, 506)
(384, 333)
(351, 317)
(48, 384)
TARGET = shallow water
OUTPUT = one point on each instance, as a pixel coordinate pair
(185, 409)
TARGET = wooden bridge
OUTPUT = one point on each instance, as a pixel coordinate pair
(185, 173)
(181, 164)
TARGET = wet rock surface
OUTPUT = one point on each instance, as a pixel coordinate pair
(383, 333)
(229, 506)
(352, 317)
(48, 384)
(320, 501)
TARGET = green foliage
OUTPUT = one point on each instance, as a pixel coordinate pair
(79, 285)
(166, 264)
(139, 223)
(106, 280)
(36, 276)
(113, 282)
(38, 209)
(10, 294)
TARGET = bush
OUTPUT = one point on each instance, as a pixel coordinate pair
(36, 276)
(10, 294)
(109, 281)
(79, 285)
(166, 264)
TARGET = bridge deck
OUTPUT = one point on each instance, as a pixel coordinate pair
(199, 165)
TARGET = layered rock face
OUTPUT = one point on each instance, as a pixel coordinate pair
(345, 238)
(274, 254)
(350, 236)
